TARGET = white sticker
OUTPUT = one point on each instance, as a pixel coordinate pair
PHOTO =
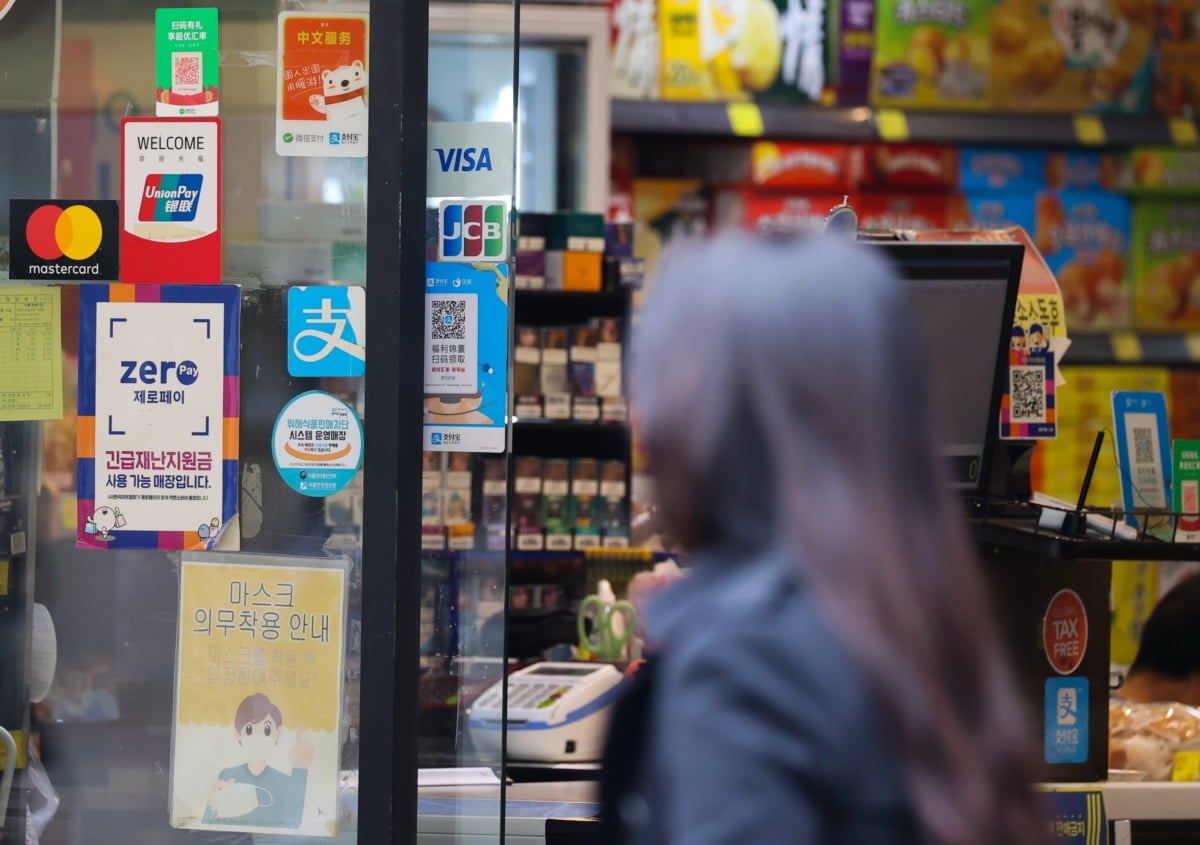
(470, 160)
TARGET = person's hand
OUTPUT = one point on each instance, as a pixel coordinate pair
(301, 756)
(217, 786)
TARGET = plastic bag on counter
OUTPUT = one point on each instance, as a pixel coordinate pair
(1145, 737)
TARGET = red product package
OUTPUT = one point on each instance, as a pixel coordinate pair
(924, 167)
(816, 167)
(908, 211)
(787, 213)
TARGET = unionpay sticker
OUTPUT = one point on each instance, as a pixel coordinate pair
(171, 208)
(317, 443)
(321, 102)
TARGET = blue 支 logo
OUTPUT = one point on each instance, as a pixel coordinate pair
(335, 138)
(435, 439)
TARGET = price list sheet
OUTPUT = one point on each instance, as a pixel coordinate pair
(31, 382)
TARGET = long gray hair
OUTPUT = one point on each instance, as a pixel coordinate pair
(780, 391)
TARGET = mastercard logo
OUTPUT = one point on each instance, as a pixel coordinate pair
(74, 232)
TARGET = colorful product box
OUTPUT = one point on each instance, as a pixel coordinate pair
(1073, 55)
(932, 53)
(992, 210)
(734, 50)
(1177, 83)
(583, 271)
(556, 382)
(1084, 237)
(1166, 171)
(495, 503)
(908, 211)
(993, 169)
(556, 504)
(1087, 171)
(1166, 264)
(774, 213)
(527, 495)
(585, 490)
(633, 31)
(855, 39)
(458, 489)
(574, 231)
(921, 167)
(611, 508)
(810, 167)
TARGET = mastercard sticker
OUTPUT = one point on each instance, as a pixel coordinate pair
(63, 240)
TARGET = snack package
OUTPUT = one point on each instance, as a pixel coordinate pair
(734, 50)
(855, 39)
(1084, 237)
(985, 168)
(1087, 171)
(1177, 84)
(932, 54)
(775, 213)
(917, 167)
(1073, 55)
(634, 42)
(796, 165)
(994, 210)
(1145, 737)
(908, 212)
(1166, 171)
(1166, 263)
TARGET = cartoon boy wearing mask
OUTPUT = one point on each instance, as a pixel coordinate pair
(254, 793)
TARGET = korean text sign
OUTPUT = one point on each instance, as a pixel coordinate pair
(321, 102)
(158, 415)
(258, 693)
(466, 356)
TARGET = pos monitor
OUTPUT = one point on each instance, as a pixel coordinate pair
(963, 296)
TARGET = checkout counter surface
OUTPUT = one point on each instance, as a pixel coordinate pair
(467, 815)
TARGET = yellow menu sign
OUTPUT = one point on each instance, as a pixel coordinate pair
(258, 694)
(31, 380)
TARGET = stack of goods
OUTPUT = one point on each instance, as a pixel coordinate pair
(447, 520)
(1166, 239)
(559, 505)
(1105, 56)
(570, 373)
(1145, 738)
(573, 251)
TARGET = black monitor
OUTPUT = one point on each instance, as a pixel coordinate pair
(964, 295)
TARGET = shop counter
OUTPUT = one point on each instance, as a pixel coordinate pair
(552, 813)
(1148, 813)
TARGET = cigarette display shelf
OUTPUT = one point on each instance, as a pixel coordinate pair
(564, 307)
(605, 441)
(1132, 347)
(863, 123)
(1024, 536)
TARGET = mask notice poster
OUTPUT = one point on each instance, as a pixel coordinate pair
(466, 356)
(258, 694)
(171, 200)
(158, 415)
(321, 101)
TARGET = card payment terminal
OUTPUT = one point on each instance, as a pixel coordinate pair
(557, 712)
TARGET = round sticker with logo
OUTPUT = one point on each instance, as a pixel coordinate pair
(317, 444)
(1065, 631)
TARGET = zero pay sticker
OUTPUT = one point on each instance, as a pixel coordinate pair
(1064, 631)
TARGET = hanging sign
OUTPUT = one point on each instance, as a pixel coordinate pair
(188, 69)
(158, 415)
(321, 101)
(258, 694)
(171, 200)
(466, 356)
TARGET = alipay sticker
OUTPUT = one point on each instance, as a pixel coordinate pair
(326, 335)
(1066, 720)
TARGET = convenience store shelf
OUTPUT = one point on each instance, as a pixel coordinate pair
(863, 123)
(1128, 347)
(558, 307)
(571, 439)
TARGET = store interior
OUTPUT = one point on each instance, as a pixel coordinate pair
(1032, 171)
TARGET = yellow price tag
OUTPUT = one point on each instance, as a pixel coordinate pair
(5, 566)
(1187, 766)
(892, 125)
(1127, 347)
(745, 119)
(1183, 132)
(1089, 130)
(1192, 341)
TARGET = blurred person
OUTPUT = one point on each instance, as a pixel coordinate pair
(1167, 666)
(829, 671)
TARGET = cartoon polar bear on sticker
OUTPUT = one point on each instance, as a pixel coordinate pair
(344, 98)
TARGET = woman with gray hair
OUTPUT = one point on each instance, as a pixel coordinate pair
(829, 671)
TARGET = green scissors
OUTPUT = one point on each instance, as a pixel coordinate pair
(604, 642)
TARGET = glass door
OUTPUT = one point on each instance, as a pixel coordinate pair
(217, 622)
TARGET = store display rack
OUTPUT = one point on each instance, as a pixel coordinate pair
(1133, 347)
(1154, 537)
(863, 123)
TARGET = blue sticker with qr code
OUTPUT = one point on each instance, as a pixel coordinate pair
(1143, 452)
(1066, 720)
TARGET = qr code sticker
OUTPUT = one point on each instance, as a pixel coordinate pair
(448, 320)
(187, 73)
(1028, 394)
(1143, 445)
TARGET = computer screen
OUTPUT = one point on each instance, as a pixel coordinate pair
(963, 296)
